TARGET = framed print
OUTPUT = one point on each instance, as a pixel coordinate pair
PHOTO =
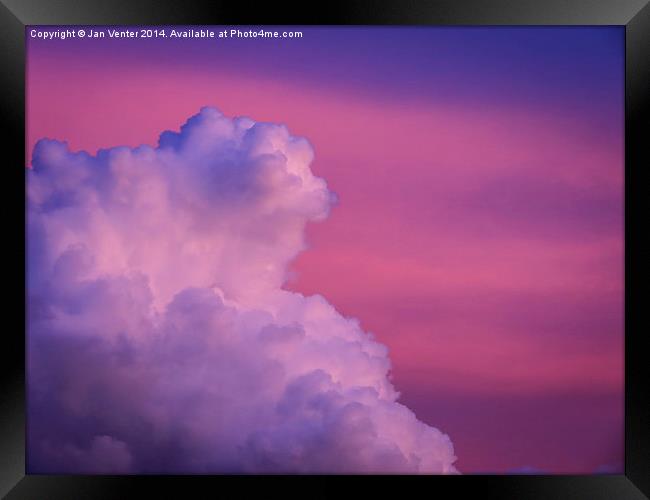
(393, 245)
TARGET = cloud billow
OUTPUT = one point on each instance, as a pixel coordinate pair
(160, 339)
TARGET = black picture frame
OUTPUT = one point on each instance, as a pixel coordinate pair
(633, 14)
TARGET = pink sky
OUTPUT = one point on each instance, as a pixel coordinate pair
(481, 243)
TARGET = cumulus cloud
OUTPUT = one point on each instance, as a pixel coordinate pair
(159, 336)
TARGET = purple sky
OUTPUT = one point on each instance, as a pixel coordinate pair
(478, 232)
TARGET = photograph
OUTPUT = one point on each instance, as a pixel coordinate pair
(325, 250)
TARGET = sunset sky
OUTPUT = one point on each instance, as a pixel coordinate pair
(478, 229)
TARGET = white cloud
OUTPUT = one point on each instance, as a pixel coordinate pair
(159, 333)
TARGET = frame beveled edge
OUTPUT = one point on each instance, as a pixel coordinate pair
(634, 14)
(12, 357)
(637, 156)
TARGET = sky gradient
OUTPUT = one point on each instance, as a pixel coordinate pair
(479, 227)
